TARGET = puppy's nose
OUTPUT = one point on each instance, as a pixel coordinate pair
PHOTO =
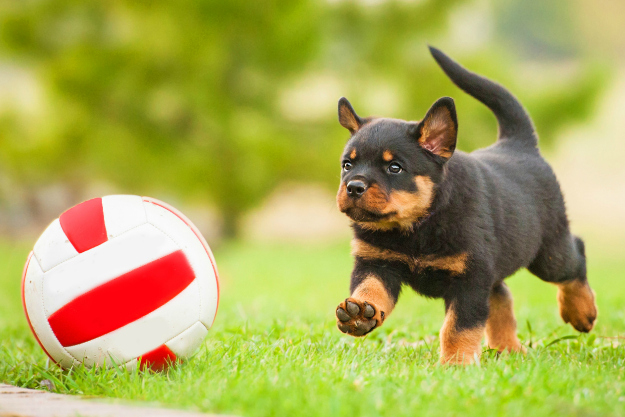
(356, 188)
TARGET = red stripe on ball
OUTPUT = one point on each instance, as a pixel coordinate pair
(157, 359)
(122, 300)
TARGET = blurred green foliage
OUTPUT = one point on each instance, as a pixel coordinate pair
(191, 98)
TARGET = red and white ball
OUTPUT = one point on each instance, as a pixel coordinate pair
(120, 280)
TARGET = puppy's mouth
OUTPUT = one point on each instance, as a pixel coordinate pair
(359, 214)
(368, 208)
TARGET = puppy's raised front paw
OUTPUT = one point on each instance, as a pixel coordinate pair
(357, 318)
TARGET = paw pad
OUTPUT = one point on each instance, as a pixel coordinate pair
(357, 318)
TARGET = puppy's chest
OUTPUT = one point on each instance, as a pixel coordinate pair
(426, 272)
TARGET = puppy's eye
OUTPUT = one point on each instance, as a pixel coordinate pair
(347, 166)
(394, 168)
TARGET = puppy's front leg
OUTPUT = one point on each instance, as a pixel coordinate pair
(466, 311)
(372, 300)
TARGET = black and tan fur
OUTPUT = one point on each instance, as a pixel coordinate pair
(453, 225)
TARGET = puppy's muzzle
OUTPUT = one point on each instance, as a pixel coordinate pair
(355, 188)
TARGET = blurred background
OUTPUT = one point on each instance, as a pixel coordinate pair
(227, 109)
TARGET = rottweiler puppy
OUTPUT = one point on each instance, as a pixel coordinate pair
(453, 225)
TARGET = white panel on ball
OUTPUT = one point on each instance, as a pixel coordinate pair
(53, 248)
(33, 300)
(188, 341)
(177, 229)
(122, 213)
(132, 365)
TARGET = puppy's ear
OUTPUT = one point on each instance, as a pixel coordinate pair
(348, 117)
(438, 130)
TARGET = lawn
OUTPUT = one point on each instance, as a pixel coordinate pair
(274, 349)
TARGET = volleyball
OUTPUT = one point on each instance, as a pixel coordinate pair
(120, 280)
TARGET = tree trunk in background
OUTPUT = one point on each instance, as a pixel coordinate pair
(231, 224)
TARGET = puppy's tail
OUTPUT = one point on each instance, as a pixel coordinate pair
(514, 122)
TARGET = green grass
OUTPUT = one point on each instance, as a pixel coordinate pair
(275, 351)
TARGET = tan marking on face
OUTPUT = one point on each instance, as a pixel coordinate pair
(411, 206)
(342, 199)
(352, 155)
(459, 347)
(501, 324)
(387, 155)
(374, 199)
(373, 292)
(406, 207)
(576, 301)
(454, 264)
(403, 207)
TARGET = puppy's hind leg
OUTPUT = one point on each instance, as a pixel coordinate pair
(501, 324)
(563, 263)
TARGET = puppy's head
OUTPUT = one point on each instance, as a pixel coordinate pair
(391, 168)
